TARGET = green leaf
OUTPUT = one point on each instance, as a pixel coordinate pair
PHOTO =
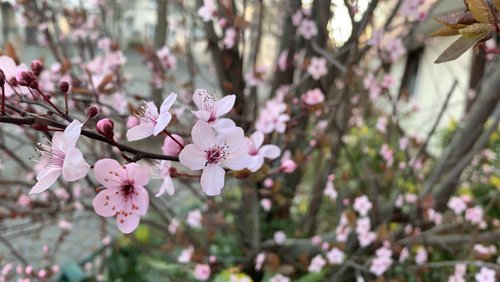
(456, 49)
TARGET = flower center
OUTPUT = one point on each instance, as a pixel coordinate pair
(208, 105)
(50, 154)
(128, 189)
(216, 154)
(145, 113)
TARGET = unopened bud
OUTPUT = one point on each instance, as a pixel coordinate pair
(106, 127)
(170, 147)
(92, 111)
(64, 86)
(288, 166)
(26, 78)
(36, 67)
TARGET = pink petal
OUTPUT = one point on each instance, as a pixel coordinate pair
(255, 163)
(137, 173)
(202, 115)
(166, 186)
(236, 160)
(212, 179)
(46, 178)
(203, 135)
(224, 105)
(162, 122)
(140, 131)
(109, 173)
(257, 139)
(74, 167)
(223, 123)
(167, 103)
(127, 224)
(142, 199)
(233, 138)
(198, 97)
(192, 157)
(105, 203)
(270, 151)
(72, 133)
(59, 142)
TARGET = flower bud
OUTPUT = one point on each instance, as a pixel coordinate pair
(170, 147)
(64, 86)
(92, 111)
(288, 166)
(2, 78)
(36, 67)
(26, 78)
(106, 127)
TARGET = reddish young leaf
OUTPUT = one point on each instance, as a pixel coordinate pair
(456, 49)
(480, 11)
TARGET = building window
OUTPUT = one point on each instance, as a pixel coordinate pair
(409, 80)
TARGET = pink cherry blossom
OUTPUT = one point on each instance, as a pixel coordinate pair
(266, 204)
(279, 237)
(10, 70)
(174, 224)
(362, 205)
(279, 278)
(167, 59)
(382, 124)
(255, 77)
(202, 272)
(61, 157)
(163, 171)
(404, 254)
(297, 17)
(335, 256)
(363, 225)
(282, 63)
(186, 255)
(387, 154)
(230, 38)
(388, 81)
(474, 214)
(194, 218)
(150, 121)
(330, 191)
(125, 196)
(317, 67)
(317, 263)
(23, 200)
(457, 204)
(485, 275)
(259, 261)
(382, 261)
(272, 117)
(307, 29)
(208, 10)
(365, 239)
(421, 256)
(210, 110)
(171, 147)
(213, 153)
(258, 152)
(313, 97)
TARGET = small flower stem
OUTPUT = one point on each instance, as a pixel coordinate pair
(50, 103)
(66, 102)
(175, 140)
